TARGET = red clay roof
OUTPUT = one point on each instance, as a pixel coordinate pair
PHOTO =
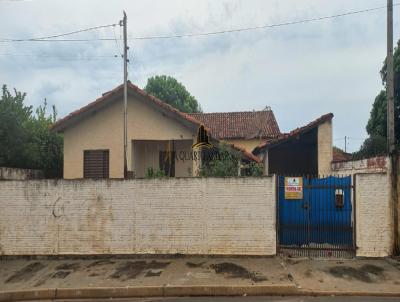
(76, 115)
(340, 155)
(292, 134)
(62, 124)
(231, 125)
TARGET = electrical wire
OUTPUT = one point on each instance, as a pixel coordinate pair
(117, 43)
(263, 26)
(45, 38)
(68, 58)
(236, 30)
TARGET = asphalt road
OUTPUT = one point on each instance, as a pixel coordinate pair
(239, 299)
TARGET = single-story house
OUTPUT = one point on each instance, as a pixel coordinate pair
(304, 151)
(159, 137)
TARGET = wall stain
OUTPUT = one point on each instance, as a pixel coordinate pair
(132, 269)
(236, 271)
(367, 273)
(26, 273)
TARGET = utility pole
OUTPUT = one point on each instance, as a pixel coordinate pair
(345, 144)
(389, 78)
(393, 155)
(124, 23)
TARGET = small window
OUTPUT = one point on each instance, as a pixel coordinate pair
(96, 163)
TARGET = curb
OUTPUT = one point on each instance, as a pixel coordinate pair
(176, 291)
(147, 291)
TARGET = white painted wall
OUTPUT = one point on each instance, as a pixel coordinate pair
(378, 164)
(19, 174)
(373, 220)
(234, 216)
(164, 216)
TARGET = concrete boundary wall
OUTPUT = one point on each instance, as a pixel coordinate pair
(373, 215)
(20, 174)
(163, 216)
(377, 164)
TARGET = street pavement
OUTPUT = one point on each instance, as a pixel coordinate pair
(76, 277)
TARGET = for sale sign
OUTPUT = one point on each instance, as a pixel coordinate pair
(293, 187)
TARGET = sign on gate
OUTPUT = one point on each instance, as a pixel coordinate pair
(293, 187)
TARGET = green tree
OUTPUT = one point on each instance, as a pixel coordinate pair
(14, 120)
(25, 138)
(376, 126)
(169, 90)
(46, 147)
(375, 145)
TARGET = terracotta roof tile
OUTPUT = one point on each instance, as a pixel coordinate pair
(340, 155)
(231, 125)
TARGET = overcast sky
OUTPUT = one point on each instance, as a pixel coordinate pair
(301, 71)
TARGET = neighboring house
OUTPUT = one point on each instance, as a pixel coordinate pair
(304, 151)
(94, 144)
(339, 155)
(246, 130)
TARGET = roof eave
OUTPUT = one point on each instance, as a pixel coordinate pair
(293, 134)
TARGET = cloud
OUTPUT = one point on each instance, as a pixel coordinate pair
(301, 71)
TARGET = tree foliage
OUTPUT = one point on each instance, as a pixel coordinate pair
(25, 138)
(375, 145)
(221, 162)
(169, 90)
(14, 120)
(377, 123)
(224, 162)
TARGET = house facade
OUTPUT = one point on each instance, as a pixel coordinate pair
(159, 138)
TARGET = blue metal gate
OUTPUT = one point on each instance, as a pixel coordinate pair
(320, 222)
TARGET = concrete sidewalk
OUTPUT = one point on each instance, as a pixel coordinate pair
(146, 276)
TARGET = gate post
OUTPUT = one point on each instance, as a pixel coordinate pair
(277, 177)
(354, 191)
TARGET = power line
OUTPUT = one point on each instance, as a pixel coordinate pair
(57, 40)
(264, 26)
(58, 35)
(268, 26)
(78, 58)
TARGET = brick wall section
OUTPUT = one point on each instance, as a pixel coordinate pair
(167, 216)
(325, 151)
(373, 210)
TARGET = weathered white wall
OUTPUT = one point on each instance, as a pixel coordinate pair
(19, 174)
(166, 216)
(376, 164)
(373, 215)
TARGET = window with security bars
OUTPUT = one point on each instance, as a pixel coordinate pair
(96, 163)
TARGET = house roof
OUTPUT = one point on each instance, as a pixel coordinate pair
(240, 125)
(340, 155)
(284, 137)
(111, 96)
(116, 93)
